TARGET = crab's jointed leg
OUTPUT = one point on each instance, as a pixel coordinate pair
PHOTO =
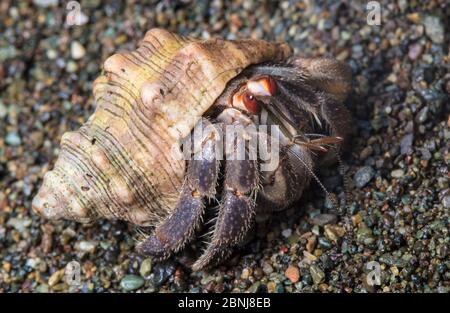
(284, 185)
(236, 210)
(179, 227)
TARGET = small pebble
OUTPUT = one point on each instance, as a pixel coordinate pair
(56, 277)
(245, 273)
(7, 266)
(3, 110)
(271, 287)
(309, 257)
(77, 50)
(366, 152)
(364, 233)
(311, 244)
(363, 176)
(323, 219)
(207, 279)
(20, 224)
(356, 219)
(255, 287)
(71, 67)
(422, 116)
(406, 144)
(398, 173)
(317, 274)
(146, 267)
(325, 243)
(162, 272)
(131, 282)
(292, 273)
(286, 232)
(52, 54)
(43, 288)
(434, 28)
(415, 50)
(446, 202)
(86, 246)
(46, 3)
(334, 232)
(267, 268)
(13, 139)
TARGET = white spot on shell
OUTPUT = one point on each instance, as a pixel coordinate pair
(152, 94)
(100, 159)
(123, 193)
(76, 209)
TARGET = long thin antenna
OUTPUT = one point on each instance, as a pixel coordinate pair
(332, 199)
(345, 177)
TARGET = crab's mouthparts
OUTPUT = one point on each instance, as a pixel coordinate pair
(281, 117)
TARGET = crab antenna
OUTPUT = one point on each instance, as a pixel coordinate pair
(314, 176)
(345, 178)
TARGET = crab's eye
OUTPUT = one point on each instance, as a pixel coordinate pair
(251, 104)
(263, 86)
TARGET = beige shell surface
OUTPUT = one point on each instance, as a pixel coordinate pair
(122, 162)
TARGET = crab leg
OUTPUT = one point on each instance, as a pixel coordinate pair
(284, 185)
(179, 227)
(236, 211)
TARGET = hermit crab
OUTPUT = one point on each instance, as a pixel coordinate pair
(128, 161)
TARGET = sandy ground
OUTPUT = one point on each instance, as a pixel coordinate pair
(396, 215)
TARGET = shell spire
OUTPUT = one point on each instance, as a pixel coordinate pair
(122, 163)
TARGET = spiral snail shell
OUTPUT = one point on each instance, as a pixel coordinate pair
(121, 164)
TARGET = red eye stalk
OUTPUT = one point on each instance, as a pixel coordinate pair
(245, 98)
(263, 86)
(251, 104)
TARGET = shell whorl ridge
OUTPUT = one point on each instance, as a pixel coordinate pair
(122, 163)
